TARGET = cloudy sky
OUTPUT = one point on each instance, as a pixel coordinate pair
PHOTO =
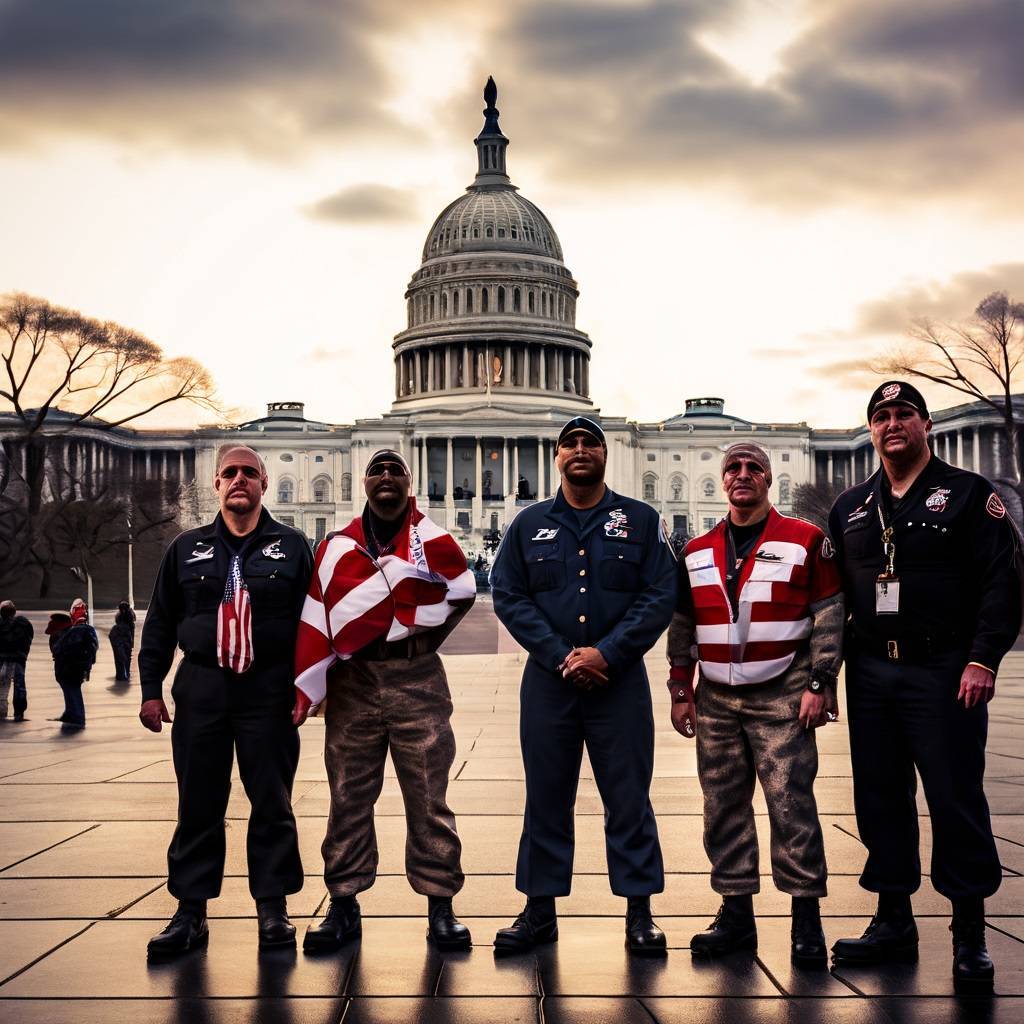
(755, 196)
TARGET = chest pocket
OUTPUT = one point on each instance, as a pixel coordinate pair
(272, 583)
(620, 566)
(545, 567)
(201, 589)
(862, 540)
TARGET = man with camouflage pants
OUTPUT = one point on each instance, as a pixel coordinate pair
(760, 596)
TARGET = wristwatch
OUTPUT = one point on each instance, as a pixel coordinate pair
(815, 685)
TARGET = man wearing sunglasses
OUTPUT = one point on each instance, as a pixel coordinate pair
(386, 591)
(759, 596)
(585, 582)
(229, 595)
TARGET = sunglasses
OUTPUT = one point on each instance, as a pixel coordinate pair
(393, 469)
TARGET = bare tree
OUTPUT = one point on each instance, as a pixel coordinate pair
(973, 357)
(60, 371)
(813, 502)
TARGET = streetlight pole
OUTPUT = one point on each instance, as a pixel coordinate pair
(131, 574)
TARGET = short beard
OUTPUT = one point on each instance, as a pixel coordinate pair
(388, 508)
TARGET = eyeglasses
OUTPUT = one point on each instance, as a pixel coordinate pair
(393, 469)
(573, 441)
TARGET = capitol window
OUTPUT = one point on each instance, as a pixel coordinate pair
(785, 490)
(709, 488)
(285, 492)
(321, 490)
(286, 457)
(650, 484)
(704, 456)
(785, 456)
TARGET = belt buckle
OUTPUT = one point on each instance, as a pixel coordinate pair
(893, 649)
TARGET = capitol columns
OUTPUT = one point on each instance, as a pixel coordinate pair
(478, 487)
(541, 467)
(449, 475)
(976, 452)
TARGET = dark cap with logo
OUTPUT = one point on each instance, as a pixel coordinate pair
(584, 424)
(897, 392)
(387, 455)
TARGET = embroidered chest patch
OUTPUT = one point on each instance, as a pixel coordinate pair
(200, 553)
(617, 525)
(273, 550)
(546, 533)
(938, 499)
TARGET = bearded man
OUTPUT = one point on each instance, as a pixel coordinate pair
(386, 591)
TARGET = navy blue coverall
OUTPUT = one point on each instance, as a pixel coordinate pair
(609, 585)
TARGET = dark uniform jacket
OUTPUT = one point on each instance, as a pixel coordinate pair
(956, 559)
(189, 588)
(15, 639)
(611, 585)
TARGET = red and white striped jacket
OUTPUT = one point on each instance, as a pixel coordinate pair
(355, 599)
(791, 569)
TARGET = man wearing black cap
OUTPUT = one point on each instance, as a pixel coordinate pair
(386, 591)
(929, 566)
(585, 582)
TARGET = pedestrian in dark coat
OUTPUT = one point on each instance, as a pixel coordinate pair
(122, 641)
(15, 642)
(74, 655)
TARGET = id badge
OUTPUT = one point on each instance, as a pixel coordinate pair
(887, 595)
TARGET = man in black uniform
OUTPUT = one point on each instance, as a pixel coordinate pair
(928, 559)
(229, 595)
(585, 582)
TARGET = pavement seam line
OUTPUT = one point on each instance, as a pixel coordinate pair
(51, 847)
(141, 768)
(646, 1009)
(43, 956)
(118, 911)
(38, 768)
(771, 977)
(1002, 931)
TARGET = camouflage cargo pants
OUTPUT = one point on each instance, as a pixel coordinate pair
(403, 705)
(748, 732)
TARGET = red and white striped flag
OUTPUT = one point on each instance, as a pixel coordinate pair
(234, 623)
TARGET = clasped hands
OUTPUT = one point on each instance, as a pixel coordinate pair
(585, 668)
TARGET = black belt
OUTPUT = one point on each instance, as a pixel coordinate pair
(384, 650)
(906, 649)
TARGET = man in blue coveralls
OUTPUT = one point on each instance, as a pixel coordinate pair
(585, 581)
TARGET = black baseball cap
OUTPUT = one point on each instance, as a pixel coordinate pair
(582, 423)
(387, 455)
(897, 392)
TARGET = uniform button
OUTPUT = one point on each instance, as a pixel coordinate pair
(583, 618)
(583, 572)
(583, 590)
(582, 551)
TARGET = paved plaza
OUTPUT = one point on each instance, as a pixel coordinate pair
(85, 820)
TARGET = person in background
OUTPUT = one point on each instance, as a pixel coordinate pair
(74, 655)
(122, 641)
(15, 640)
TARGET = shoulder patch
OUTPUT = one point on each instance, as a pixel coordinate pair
(827, 550)
(994, 507)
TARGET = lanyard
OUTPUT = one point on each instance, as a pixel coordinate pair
(888, 547)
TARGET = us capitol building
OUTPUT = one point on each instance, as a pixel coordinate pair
(488, 368)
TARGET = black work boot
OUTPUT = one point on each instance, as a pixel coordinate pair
(808, 939)
(733, 929)
(444, 929)
(973, 971)
(890, 938)
(643, 936)
(186, 931)
(538, 923)
(275, 928)
(342, 924)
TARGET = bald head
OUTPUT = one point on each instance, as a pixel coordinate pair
(240, 455)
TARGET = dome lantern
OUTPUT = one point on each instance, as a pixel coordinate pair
(491, 144)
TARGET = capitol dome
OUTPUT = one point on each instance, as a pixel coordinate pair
(492, 307)
(491, 219)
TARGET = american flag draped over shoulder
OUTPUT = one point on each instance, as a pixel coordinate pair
(354, 599)
(234, 622)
